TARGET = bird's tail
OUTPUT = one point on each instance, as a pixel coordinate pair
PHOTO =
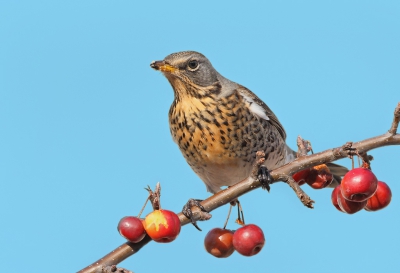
(338, 171)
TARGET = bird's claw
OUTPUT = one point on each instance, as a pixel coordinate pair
(186, 210)
(264, 177)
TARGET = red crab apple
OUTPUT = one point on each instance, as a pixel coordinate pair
(359, 184)
(380, 199)
(163, 226)
(131, 228)
(248, 240)
(334, 198)
(218, 242)
(347, 206)
(319, 177)
(300, 177)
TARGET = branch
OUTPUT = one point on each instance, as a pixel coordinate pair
(280, 174)
(304, 198)
(116, 256)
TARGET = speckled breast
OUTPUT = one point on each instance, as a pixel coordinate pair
(221, 135)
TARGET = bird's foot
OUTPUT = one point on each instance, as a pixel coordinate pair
(264, 177)
(186, 210)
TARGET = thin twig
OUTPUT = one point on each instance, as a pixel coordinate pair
(154, 197)
(396, 120)
(304, 146)
(304, 198)
(145, 203)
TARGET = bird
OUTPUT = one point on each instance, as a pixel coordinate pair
(219, 125)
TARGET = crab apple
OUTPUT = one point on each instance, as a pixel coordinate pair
(380, 199)
(359, 184)
(163, 226)
(319, 177)
(248, 240)
(349, 207)
(334, 198)
(300, 177)
(218, 242)
(131, 228)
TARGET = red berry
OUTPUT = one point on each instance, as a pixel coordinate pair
(380, 199)
(319, 177)
(218, 242)
(163, 226)
(248, 240)
(359, 184)
(131, 228)
(349, 207)
(300, 177)
(334, 198)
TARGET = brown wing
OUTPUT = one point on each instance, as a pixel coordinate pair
(272, 118)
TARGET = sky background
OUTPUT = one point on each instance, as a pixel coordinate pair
(84, 127)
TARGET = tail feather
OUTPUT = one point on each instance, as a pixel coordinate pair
(338, 172)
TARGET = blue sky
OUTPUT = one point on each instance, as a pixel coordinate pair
(84, 127)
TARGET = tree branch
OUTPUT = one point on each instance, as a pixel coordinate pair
(304, 198)
(280, 174)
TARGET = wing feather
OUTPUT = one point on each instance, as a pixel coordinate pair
(262, 110)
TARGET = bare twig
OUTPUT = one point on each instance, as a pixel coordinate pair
(304, 198)
(154, 197)
(396, 120)
(304, 146)
(144, 206)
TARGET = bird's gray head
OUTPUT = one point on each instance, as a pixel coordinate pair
(190, 73)
(189, 66)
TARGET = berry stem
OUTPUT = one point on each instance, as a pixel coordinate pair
(229, 214)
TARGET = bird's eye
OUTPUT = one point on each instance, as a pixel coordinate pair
(193, 64)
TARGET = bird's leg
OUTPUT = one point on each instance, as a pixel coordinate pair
(264, 177)
(260, 172)
(186, 210)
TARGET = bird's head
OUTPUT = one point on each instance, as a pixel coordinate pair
(190, 73)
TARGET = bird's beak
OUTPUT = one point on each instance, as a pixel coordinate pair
(162, 66)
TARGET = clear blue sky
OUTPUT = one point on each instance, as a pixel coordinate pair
(84, 127)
